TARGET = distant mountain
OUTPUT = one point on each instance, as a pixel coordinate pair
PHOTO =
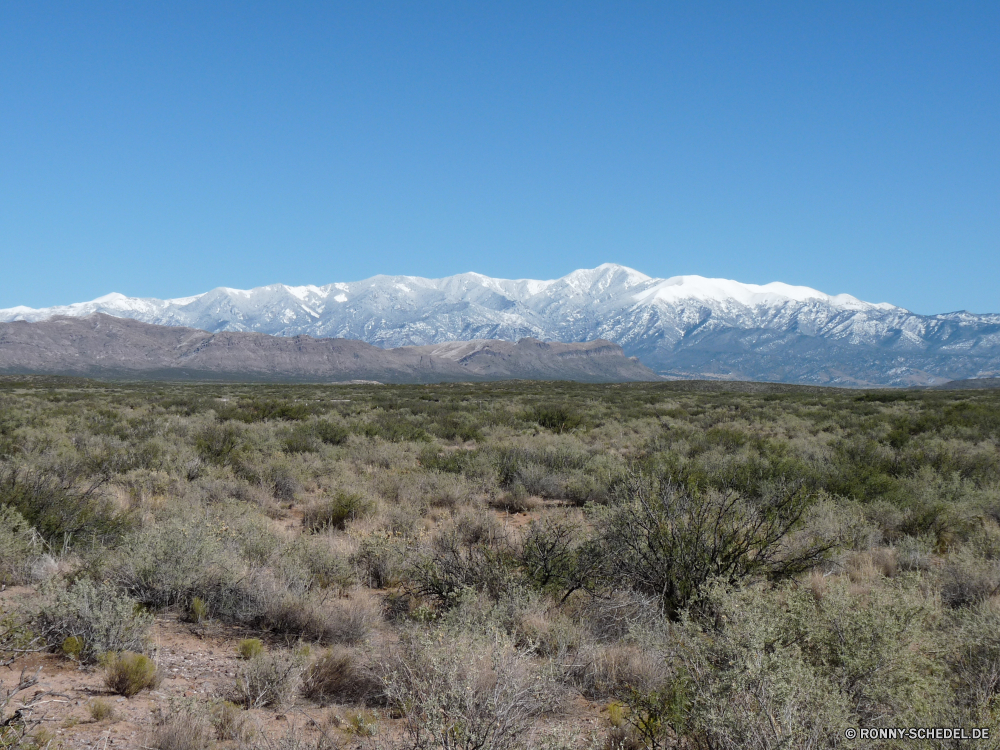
(682, 327)
(99, 345)
(971, 383)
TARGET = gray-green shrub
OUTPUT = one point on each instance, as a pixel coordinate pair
(98, 614)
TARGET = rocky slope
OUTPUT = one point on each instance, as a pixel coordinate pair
(100, 345)
(686, 326)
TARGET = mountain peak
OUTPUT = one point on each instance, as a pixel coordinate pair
(685, 325)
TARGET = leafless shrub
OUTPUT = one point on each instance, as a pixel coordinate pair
(340, 676)
(230, 722)
(473, 553)
(608, 670)
(465, 694)
(17, 726)
(967, 579)
(344, 621)
(612, 617)
(663, 540)
(913, 553)
(97, 615)
(182, 731)
(269, 679)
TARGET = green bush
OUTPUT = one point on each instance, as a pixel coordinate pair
(559, 419)
(253, 409)
(63, 509)
(128, 673)
(330, 433)
(394, 428)
(668, 542)
(335, 512)
(220, 443)
(198, 611)
(249, 648)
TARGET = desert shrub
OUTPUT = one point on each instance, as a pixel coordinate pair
(380, 560)
(968, 579)
(63, 508)
(665, 541)
(330, 433)
(316, 562)
(181, 729)
(515, 500)
(20, 547)
(974, 662)
(338, 621)
(542, 471)
(220, 443)
(335, 512)
(751, 655)
(112, 456)
(286, 485)
(175, 561)
(605, 671)
(127, 673)
(914, 553)
(230, 722)
(300, 439)
(248, 648)
(198, 611)
(268, 679)
(558, 418)
(466, 694)
(394, 428)
(433, 488)
(549, 632)
(98, 615)
(256, 409)
(451, 462)
(457, 427)
(557, 557)
(615, 614)
(339, 676)
(471, 554)
(101, 710)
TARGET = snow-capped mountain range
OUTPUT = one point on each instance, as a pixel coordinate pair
(685, 326)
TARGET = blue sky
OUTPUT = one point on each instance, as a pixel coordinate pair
(162, 149)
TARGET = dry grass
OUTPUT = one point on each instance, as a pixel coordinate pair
(268, 679)
(182, 731)
(339, 676)
(101, 710)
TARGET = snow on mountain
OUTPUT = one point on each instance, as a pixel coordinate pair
(684, 326)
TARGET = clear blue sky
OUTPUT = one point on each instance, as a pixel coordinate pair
(162, 149)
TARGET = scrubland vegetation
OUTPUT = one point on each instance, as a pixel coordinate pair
(509, 565)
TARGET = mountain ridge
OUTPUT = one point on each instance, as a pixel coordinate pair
(100, 345)
(681, 327)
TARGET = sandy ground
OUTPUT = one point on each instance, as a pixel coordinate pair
(198, 664)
